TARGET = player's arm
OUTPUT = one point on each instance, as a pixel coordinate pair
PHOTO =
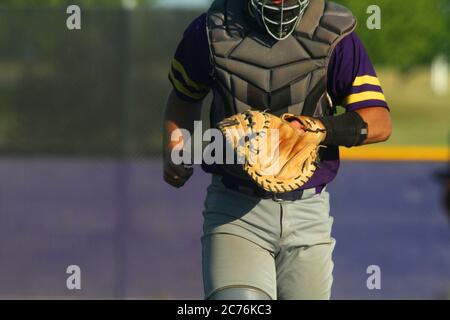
(190, 77)
(360, 127)
(353, 83)
(379, 124)
(178, 114)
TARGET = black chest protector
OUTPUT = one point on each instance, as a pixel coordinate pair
(254, 71)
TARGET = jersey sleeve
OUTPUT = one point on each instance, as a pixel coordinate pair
(352, 80)
(190, 72)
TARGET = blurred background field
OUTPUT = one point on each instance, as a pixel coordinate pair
(420, 116)
(80, 119)
(77, 92)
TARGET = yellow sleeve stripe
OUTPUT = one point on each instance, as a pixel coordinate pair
(364, 96)
(181, 88)
(360, 81)
(176, 65)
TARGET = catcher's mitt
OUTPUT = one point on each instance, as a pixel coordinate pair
(276, 155)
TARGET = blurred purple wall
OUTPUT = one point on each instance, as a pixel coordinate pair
(134, 236)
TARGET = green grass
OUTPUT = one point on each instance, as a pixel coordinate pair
(419, 116)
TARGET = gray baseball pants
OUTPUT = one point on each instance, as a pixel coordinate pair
(279, 250)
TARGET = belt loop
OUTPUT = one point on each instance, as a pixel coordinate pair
(320, 189)
(276, 199)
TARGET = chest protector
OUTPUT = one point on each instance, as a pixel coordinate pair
(254, 71)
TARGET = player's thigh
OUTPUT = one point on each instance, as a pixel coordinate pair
(231, 261)
(306, 273)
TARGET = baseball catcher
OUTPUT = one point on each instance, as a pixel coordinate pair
(277, 70)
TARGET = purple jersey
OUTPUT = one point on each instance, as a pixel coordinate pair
(352, 81)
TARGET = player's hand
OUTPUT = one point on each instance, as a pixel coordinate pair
(176, 175)
(297, 125)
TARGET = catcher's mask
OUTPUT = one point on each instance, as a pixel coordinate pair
(279, 17)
